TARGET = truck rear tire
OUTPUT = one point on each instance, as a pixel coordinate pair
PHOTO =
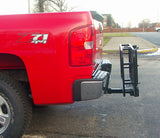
(15, 108)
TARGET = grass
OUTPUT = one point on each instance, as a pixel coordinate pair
(117, 35)
(108, 36)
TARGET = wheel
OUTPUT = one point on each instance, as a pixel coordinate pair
(15, 108)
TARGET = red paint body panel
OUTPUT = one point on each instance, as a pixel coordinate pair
(50, 75)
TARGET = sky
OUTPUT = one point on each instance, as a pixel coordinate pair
(123, 11)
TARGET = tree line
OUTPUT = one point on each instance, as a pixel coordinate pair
(51, 6)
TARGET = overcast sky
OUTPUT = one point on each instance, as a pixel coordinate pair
(123, 11)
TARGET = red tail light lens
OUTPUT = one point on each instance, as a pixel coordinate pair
(81, 46)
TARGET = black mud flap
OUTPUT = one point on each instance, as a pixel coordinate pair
(129, 71)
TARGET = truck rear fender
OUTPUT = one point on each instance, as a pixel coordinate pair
(9, 61)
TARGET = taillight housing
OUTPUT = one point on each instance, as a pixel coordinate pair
(81, 46)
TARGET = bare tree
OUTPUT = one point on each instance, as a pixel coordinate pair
(51, 6)
(129, 25)
(146, 23)
(38, 6)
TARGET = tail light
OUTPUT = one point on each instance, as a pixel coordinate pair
(81, 46)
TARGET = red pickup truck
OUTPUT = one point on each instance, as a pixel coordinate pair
(51, 58)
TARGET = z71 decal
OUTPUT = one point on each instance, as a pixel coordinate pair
(39, 38)
(33, 38)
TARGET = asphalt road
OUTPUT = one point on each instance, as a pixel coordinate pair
(153, 37)
(111, 115)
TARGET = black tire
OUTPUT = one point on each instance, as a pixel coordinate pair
(15, 108)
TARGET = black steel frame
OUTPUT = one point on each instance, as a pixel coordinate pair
(128, 66)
